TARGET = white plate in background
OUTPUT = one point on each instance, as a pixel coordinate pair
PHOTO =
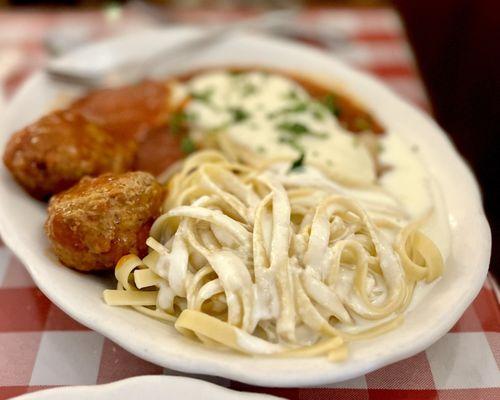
(146, 387)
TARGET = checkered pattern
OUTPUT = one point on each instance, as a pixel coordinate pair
(41, 347)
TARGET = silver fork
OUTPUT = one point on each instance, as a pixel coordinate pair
(168, 58)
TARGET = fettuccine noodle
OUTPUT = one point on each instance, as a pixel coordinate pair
(265, 263)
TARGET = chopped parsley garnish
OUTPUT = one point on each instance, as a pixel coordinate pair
(292, 131)
(177, 122)
(261, 149)
(298, 129)
(187, 145)
(292, 142)
(313, 107)
(318, 115)
(238, 114)
(361, 124)
(248, 89)
(298, 163)
(299, 107)
(242, 84)
(294, 128)
(292, 95)
(330, 102)
(204, 96)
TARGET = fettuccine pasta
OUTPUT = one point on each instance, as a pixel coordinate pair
(264, 262)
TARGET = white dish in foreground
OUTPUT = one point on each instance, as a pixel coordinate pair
(22, 218)
(146, 387)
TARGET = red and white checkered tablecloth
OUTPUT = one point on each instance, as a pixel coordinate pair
(42, 347)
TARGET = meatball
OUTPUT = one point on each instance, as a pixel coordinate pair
(127, 111)
(53, 153)
(101, 219)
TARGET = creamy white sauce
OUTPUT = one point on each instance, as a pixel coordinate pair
(410, 182)
(253, 344)
(264, 112)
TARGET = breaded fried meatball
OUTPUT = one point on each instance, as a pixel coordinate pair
(128, 111)
(53, 153)
(101, 219)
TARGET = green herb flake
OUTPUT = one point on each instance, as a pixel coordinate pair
(361, 124)
(330, 102)
(204, 96)
(261, 149)
(297, 129)
(297, 108)
(294, 128)
(380, 147)
(298, 163)
(187, 145)
(238, 114)
(248, 89)
(318, 115)
(292, 142)
(292, 95)
(178, 121)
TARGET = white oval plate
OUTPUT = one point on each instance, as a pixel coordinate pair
(146, 387)
(22, 218)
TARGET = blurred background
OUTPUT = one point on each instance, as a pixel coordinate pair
(441, 55)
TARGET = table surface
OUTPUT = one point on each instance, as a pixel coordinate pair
(42, 347)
